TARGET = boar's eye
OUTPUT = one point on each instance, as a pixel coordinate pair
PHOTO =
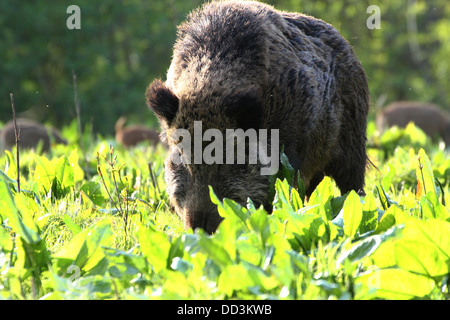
(245, 107)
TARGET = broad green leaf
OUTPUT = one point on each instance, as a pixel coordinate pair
(288, 171)
(93, 190)
(229, 209)
(387, 221)
(243, 277)
(64, 173)
(308, 229)
(296, 200)
(336, 205)
(233, 278)
(301, 187)
(11, 182)
(32, 256)
(396, 283)
(259, 222)
(214, 249)
(84, 250)
(25, 228)
(431, 207)
(425, 247)
(11, 167)
(282, 196)
(155, 246)
(369, 220)
(352, 214)
(6, 243)
(78, 173)
(322, 196)
(393, 216)
(387, 179)
(125, 266)
(367, 246)
(44, 173)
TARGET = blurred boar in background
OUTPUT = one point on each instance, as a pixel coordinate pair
(433, 120)
(131, 135)
(31, 133)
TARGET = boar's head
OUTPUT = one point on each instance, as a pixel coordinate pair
(187, 178)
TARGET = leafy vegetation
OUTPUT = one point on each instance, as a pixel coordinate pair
(96, 225)
(92, 221)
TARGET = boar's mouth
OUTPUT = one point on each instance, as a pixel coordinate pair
(208, 221)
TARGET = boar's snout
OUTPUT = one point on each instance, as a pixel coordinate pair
(208, 221)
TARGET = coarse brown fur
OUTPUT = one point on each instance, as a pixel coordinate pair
(243, 64)
(131, 135)
(433, 120)
(31, 133)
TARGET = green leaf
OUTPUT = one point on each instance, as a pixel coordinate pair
(396, 283)
(352, 214)
(214, 249)
(307, 229)
(32, 256)
(387, 179)
(369, 220)
(287, 170)
(85, 248)
(78, 173)
(322, 196)
(175, 251)
(259, 222)
(296, 200)
(234, 277)
(44, 173)
(242, 277)
(73, 227)
(93, 190)
(64, 175)
(11, 182)
(386, 202)
(155, 246)
(425, 248)
(394, 215)
(25, 228)
(6, 243)
(420, 254)
(424, 173)
(431, 207)
(229, 209)
(282, 196)
(125, 266)
(367, 246)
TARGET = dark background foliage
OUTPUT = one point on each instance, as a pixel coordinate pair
(123, 45)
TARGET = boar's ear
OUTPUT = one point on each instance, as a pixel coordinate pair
(245, 107)
(162, 101)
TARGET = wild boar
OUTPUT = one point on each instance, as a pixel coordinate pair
(245, 65)
(433, 120)
(131, 135)
(31, 133)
